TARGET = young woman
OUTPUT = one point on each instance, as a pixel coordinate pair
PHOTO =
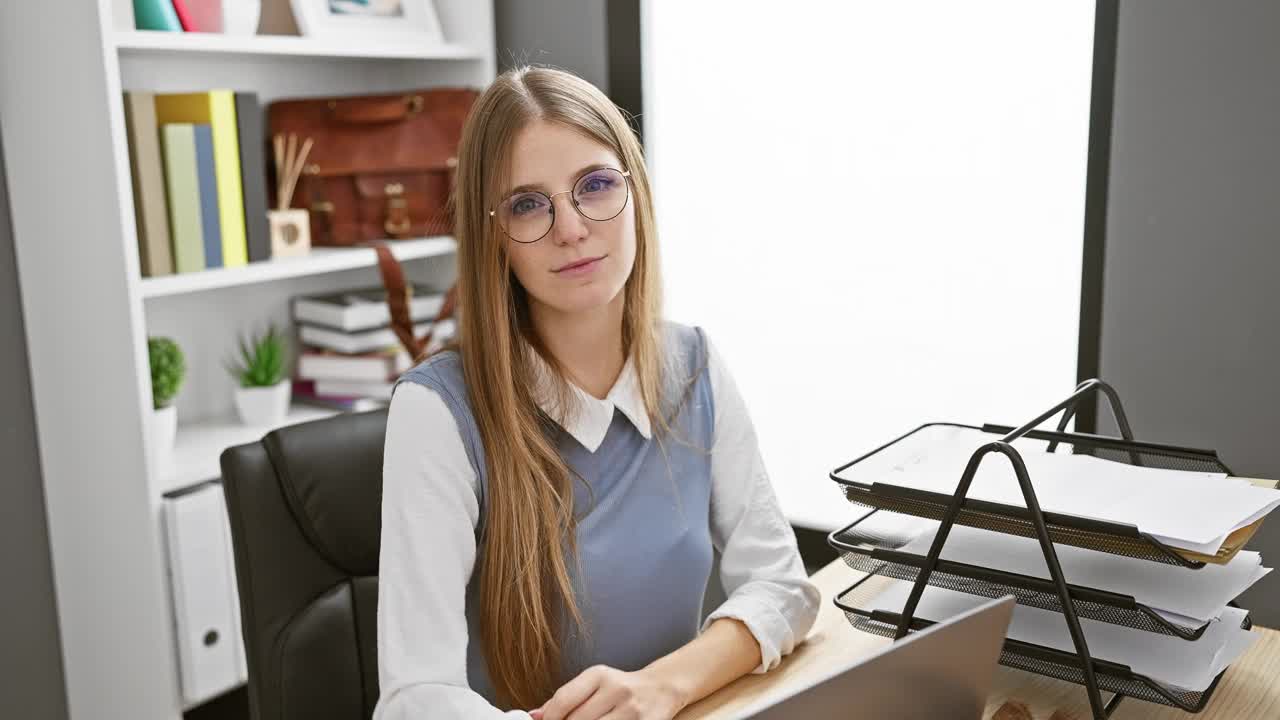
(554, 486)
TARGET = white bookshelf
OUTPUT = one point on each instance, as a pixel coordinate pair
(318, 261)
(198, 448)
(88, 311)
(151, 42)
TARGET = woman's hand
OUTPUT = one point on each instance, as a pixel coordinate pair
(603, 693)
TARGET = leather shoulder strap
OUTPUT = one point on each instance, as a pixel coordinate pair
(398, 298)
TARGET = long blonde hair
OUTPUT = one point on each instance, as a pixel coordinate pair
(528, 544)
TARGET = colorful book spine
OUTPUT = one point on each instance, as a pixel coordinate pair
(183, 187)
(184, 16)
(226, 148)
(151, 211)
(217, 109)
(199, 15)
(155, 15)
(208, 180)
(253, 175)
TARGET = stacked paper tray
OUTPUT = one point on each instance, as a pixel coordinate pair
(860, 487)
(1042, 660)
(873, 553)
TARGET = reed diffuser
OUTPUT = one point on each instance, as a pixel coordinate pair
(290, 227)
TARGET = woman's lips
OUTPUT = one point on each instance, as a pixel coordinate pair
(580, 267)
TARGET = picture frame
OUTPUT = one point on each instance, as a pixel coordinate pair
(368, 19)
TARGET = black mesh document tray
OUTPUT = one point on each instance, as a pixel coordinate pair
(882, 557)
(869, 552)
(1108, 537)
(1041, 660)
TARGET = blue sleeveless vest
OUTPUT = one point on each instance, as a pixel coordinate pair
(643, 534)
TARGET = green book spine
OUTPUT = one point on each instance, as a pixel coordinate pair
(183, 186)
(155, 15)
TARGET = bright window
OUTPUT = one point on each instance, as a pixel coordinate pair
(876, 211)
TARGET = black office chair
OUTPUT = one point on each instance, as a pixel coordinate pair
(304, 505)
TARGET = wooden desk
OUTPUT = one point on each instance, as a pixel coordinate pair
(1250, 690)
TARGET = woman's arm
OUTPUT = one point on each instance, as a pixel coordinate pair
(429, 516)
(722, 653)
(725, 651)
(760, 566)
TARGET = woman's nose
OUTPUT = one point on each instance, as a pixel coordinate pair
(569, 227)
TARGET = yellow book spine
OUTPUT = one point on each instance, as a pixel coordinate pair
(226, 163)
(218, 109)
(182, 108)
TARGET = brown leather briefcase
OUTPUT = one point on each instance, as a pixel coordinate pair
(380, 167)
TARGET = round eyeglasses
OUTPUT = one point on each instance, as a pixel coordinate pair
(527, 216)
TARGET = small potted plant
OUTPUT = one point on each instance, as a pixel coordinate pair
(263, 390)
(168, 370)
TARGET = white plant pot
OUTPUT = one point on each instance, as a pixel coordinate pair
(264, 406)
(240, 17)
(164, 431)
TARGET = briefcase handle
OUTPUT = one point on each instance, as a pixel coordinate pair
(366, 111)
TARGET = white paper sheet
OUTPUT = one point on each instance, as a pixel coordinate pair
(1192, 510)
(1182, 664)
(1194, 595)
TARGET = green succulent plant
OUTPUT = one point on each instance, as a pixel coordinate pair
(262, 361)
(168, 370)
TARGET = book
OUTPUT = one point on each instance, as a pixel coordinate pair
(304, 392)
(217, 109)
(363, 309)
(374, 366)
(208, 184)
(354, 342)
(150, 208)
(155, 15)
(378, 390)
(253, 175)
(199, 15)
(184, 17)
(182, 187)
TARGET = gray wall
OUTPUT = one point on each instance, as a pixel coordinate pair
(31, 681)
(569, 34)
(1191, 287)
(599, 41)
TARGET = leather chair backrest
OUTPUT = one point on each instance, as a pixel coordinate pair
(304, 505)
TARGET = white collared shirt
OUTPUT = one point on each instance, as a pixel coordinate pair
(431, 510)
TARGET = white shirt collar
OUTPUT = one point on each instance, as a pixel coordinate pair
(589, 421)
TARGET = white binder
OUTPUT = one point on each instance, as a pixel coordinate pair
(233, 590)
(202, 583)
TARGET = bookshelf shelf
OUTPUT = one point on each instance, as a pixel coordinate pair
(321, 260)
(103, 494)
(152, 42)
(199, 445)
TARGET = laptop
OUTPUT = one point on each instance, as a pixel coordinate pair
(944, 671)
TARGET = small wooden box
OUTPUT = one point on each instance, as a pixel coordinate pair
(290, 232)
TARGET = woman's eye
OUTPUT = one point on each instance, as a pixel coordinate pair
(524, 205)
(596, 184)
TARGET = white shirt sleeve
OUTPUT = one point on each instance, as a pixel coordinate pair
(760, 566)
(430, 509)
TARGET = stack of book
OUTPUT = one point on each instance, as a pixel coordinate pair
(199, 180)
(350, 356)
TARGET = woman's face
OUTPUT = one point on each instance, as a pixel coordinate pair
(581, 264)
